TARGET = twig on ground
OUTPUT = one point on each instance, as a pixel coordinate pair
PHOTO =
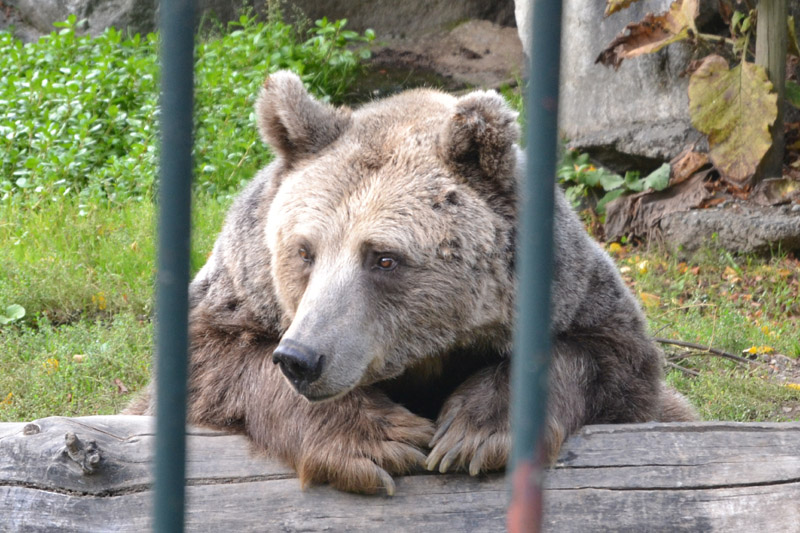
(677, 356)
(683, 369)
(709, 349)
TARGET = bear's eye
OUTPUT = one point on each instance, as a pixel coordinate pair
(386, 263)
(305, 255)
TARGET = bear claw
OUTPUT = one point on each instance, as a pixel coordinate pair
(473, 429)
(387, 482)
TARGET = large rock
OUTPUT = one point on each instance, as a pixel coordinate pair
(737, 227)
(407, 18)
(477, 53)
(136, 16)
(389, 19)
(634, 117)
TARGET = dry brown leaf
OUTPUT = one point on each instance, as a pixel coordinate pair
(652, 33)
(725, 11)
(711, 202)
(650, 301)
(685, 164)
(612, 6)
(121, 388)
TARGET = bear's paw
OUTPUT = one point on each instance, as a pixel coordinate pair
(361, 454)
(473, 429)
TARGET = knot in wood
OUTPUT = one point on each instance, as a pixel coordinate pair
(86, 455)
(31, 429)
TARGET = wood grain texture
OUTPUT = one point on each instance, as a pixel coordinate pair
(637, 478)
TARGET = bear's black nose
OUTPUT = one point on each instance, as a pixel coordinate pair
(299, 363)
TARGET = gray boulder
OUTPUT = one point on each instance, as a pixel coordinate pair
(136, 16)
(33, 18)
(632, 118)
(741, 228)
(407, 18)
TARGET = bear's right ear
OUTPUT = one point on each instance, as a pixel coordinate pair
(292, 122)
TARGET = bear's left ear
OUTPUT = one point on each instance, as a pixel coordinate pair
(292, 122)
(479, 139)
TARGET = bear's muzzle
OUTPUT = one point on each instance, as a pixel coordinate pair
(300, 364)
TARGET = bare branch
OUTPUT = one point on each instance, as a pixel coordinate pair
(709, 349)
(683, 369)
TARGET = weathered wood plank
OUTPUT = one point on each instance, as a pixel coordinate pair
(645, 477)
(670, 456)
(36, 451)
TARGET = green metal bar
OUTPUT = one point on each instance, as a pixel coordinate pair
(172, 307)
(533, 341)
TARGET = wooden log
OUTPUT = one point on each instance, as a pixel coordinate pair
(93, 474)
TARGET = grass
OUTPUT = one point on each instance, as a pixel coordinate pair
(729, 303)
(81, 368)
(85, 277)
(70, 259)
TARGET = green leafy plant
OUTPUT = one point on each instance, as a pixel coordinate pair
(231, 68)
(79, 113)
(581, 179)
(11, 314)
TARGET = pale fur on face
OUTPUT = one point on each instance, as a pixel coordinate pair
(382, 189)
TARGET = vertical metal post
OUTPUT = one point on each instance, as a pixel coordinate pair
(177, 66)
(532, 341)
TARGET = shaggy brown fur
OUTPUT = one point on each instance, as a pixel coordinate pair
(355, 316)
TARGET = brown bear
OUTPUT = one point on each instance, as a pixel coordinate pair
(355, 317)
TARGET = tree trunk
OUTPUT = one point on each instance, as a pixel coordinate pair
(771, 43)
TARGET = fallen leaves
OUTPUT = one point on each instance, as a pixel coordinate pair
(615, 248)
(686, 164)
(51, 365)
(731, 275)
(121, 388)
(99, 300)
(758, 350)
(766, 295)
(650, 301)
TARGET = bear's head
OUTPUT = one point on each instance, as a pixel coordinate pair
(390, 233)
